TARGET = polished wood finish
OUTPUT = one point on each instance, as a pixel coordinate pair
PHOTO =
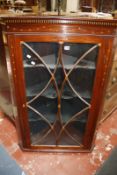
(5, 91)
(60, 29)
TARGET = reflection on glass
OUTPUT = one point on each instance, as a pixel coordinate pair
(59, 82)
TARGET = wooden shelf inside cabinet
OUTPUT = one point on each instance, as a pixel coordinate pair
(51, 61)
(60, 69)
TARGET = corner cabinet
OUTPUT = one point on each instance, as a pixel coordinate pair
(60, 68)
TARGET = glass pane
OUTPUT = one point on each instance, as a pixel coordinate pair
(79, 62)
(73, 132)
(38, 127)
(82, 84)
(79, 66)
(59, 82)
(70, 104)
(40, 61)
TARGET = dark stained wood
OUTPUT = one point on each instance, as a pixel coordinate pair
(60, 29)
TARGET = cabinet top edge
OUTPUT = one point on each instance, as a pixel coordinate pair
(58, 20)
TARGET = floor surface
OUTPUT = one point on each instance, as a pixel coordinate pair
(35, 163)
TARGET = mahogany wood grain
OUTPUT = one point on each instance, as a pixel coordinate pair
(36, 29)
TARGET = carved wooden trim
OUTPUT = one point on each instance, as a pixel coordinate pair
(55, 20)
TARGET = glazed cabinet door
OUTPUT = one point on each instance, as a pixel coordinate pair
(56, 90)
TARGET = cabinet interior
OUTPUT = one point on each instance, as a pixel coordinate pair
(59, 80)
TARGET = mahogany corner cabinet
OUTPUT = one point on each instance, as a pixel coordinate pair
(60, 68)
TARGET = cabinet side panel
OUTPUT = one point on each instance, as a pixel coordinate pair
(5, 91)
